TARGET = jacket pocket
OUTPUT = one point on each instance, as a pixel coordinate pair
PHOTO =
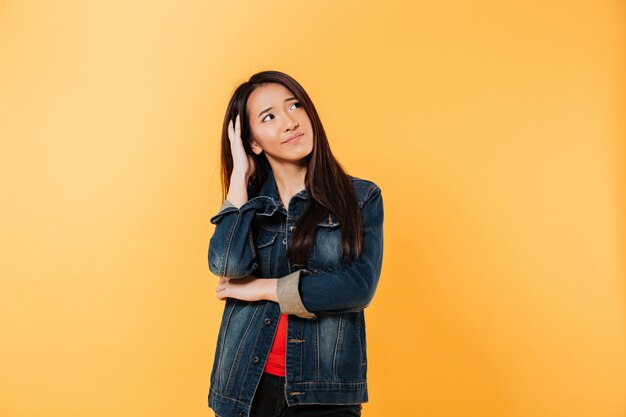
(327, 247)
(265, 243)
(350, 356)
(217, 373)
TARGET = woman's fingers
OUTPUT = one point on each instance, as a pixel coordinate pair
(240, 158)
(221, 284)
(231, 132)
(249, 288)
(237, 127)
(234, 130)
(220, 290)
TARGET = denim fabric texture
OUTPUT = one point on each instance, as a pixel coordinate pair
(326, 356)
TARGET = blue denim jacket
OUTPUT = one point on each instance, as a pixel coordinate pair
(326, 359)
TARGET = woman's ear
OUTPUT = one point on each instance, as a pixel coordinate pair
(255, 147)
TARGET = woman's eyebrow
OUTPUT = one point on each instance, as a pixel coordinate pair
(270, 108)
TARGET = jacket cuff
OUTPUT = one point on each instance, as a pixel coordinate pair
(261, 205)
(289, 296)
(226, 204)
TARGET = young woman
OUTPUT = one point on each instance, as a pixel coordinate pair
(298, 247)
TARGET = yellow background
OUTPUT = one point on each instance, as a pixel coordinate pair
(495, 130)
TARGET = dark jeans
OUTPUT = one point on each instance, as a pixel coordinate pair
(269, 401)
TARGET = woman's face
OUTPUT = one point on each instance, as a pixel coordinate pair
(279, 125)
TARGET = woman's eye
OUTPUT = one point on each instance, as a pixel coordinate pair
(270, 114)
(295, 104)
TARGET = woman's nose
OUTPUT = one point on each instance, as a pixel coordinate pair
(291, 123)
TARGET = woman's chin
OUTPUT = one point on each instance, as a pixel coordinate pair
(294, 155)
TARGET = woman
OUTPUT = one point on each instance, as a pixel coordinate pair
(298, 248)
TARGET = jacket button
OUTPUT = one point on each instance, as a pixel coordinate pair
(291, 228)
(267, 321)
(284, 241)
(255, 359)
(240, 414)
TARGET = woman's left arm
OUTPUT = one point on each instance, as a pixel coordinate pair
(348, 288)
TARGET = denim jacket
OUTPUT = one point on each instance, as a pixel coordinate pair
(326, 359)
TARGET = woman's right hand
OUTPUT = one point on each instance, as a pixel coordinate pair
(243, 164)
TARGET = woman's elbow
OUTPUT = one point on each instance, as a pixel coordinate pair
(363, 295)
(365, 299)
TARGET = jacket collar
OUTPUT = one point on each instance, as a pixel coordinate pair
(270, 189)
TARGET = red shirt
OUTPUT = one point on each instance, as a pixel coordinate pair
(276, 361)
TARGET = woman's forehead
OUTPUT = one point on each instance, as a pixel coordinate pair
(268, 95)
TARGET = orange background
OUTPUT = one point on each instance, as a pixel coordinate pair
(495, 130)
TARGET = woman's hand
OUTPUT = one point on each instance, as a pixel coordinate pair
(243, 164)
(250, 288)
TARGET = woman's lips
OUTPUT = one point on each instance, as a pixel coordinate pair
(294, 139)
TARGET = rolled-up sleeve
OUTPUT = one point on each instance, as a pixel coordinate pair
(349, 288)
(289, 295)
(231, 251)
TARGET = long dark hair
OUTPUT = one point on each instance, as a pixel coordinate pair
(328, 185)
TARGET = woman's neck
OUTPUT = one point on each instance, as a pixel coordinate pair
(289, 180)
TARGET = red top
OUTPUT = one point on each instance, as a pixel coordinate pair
(276, 360)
